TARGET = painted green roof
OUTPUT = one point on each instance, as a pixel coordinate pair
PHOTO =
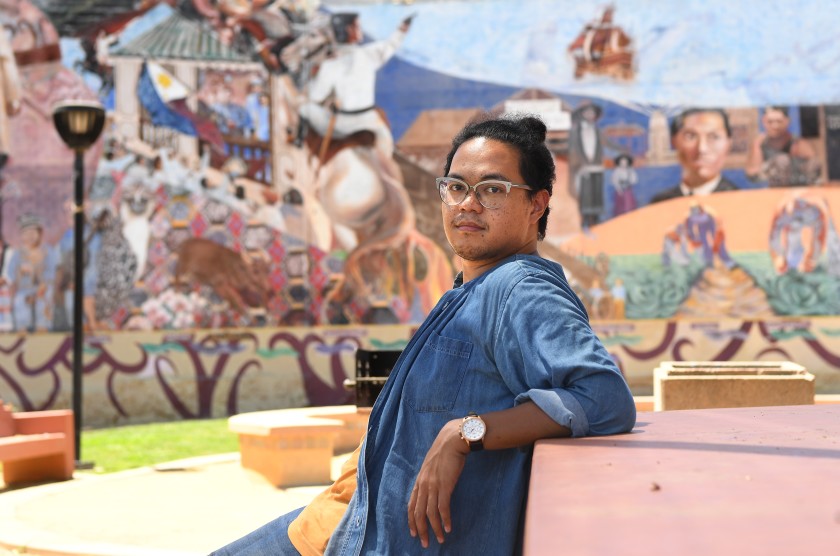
(179, 38)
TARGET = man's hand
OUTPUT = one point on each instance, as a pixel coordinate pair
(434, 484)
(436, 480)
(406, 23)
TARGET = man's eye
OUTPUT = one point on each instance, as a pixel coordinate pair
(456, 187)
(492, 189)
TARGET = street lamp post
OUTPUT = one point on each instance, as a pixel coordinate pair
(3, 159)
(79, 124)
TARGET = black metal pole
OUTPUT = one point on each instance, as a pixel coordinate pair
(2, 238)
(78, 299)
(3, 159)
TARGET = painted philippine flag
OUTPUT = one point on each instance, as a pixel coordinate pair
(165, 99)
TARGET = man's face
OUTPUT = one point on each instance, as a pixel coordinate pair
(354, 32)
(775, 123)
(702, 146)
(30, 236)
(477, 234)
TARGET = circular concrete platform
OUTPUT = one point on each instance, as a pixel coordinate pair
(184, 508)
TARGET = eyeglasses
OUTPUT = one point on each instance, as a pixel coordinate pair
(490, 193)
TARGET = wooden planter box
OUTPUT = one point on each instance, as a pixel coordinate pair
(711, 384)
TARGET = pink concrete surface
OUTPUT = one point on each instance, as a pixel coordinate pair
(746, 481)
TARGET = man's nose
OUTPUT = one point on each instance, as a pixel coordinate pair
(471, 202)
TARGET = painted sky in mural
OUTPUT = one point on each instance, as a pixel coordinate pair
(786, 52)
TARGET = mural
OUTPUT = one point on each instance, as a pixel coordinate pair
(270, 164)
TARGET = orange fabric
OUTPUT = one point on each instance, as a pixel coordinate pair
(311, 530)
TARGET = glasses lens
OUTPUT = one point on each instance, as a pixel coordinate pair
(452, 191)
(492, 194)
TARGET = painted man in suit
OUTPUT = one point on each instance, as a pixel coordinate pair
(586, 162)
(702, 137)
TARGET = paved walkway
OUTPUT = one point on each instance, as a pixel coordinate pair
(184, 508)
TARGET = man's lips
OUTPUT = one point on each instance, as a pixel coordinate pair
(704, 161)
(467, 226)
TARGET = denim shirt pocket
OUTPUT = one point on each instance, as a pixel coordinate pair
(436, 376)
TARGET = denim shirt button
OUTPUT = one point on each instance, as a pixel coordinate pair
(358, 520)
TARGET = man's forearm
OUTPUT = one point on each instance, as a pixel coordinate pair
(520, 426)
(510, 428)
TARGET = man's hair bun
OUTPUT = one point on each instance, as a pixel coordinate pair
(534, 127)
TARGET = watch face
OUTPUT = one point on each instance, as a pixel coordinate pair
(473, 429)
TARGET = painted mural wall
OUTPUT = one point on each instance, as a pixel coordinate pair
(266, 178)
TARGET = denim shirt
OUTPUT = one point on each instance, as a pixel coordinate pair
(516, 333)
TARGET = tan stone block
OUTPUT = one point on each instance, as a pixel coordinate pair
(713, 384)
(290, 458)
(295, 447)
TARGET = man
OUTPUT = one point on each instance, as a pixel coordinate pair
(702, 137)
(65, 271)
(586, 162)
(31, 268)
(341, 97)
(705, 230)
(778, 156)
(505, 358)
(799, 233)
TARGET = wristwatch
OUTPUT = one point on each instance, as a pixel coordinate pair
(473, 430)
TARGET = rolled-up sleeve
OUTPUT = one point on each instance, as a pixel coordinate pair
(549, 355)
(561, 406)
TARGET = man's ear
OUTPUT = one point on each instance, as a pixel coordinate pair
(539, 203)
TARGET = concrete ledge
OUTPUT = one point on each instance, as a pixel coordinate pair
(643, 403)
(746, 481)
(712, 384)
(826, 398)
(294, 447)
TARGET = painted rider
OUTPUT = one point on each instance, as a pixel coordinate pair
(341, 97)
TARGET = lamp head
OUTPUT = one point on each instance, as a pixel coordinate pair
(79, 122)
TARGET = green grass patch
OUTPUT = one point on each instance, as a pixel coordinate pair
(129, 447)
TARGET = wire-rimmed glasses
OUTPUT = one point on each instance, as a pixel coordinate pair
(490, 193)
